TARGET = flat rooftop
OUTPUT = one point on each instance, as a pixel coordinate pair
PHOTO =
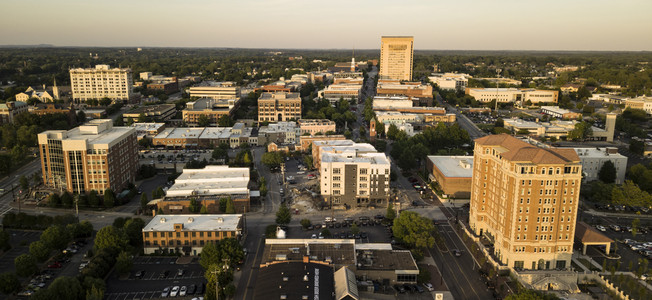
(216, 133)
(152, 109)
(598, 152)
(94, 132)
(180, 133)
(453, 166)
(372, 158)
(230, 222)
(392, 260)
(335, 251)
(147, 126)
(211, 180)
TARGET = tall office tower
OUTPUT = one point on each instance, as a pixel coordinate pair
(101, 82)
(524, 200)
(93, 156)
(396, 54)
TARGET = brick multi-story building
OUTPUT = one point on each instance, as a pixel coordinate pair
(94, 156)
(10, 110)
(276, 107)
(524, 200)
(187, 234)
(315, 126)
(160, 113)
(452, 173)
(212, 109)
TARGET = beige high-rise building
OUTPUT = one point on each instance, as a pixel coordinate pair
(524, 200)
(396, 53)
(100, 82)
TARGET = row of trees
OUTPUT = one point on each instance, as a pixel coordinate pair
(54, 238)
(218, 259)
(443, 139)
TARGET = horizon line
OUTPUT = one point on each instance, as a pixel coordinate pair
(311, 49)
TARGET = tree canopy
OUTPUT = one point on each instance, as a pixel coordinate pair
(413, 230)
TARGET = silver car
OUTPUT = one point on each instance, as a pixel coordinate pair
(165, 292)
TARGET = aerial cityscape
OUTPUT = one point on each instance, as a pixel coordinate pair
(324, 162)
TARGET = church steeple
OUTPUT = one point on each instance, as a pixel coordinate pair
(55, 90)
(353, 61)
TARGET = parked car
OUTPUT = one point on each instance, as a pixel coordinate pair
(183, 290)
(400, 289)
(601, 228)
(54, 265)
(192, 289)
(165, 292)
(180, 272)
(429, 286)
(175, 291)
(139, 274)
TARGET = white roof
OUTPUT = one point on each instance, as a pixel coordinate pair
(375, 158)
(180, 133)
(211, 180)
(216, 132)
(194, 222)
(147, 126)
(453, 166)
(555, 109)
(596, 153)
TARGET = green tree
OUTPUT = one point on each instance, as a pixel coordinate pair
(66, 288)
(607, 173)
(230, 207)
(225, 121)
(133, 229)
(93, 199)
(67, 200)
(24, 183)
(25, 265)
(105, 101)
(143, 201)
(9, 283)
(110, 237)
(209, 255)
(283, 215)
(203, 210)
(194, 206)
(54, 200)
(414, 230)
(636, 223)
(637, 147)
(355, 229)
(39, 250)
(391, 213)
(123, 263)
(582, 131)
(94, 293)
(272, 159)
(56, 237)
(109, 198)
(392, 131)
(203, 121)
(305, 223)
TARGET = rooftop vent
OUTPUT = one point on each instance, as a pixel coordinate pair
(286, 278)
(162, 220)
(220, 220)
(190, 220)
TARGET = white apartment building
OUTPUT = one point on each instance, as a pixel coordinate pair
(592, 160)
(216, 90)
(450, 81)
(354, 176)
(643, 102)
(512, 95)
(101, 82)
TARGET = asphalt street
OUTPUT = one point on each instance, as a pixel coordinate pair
(474, 131)
(7, 182)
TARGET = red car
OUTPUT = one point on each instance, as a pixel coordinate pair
(54, 265)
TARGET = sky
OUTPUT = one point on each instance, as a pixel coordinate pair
(335, 24)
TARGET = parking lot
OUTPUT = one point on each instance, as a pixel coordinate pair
(158, 273)
(20, 240)
(373, 232)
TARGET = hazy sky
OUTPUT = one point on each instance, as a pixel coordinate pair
(450, 24)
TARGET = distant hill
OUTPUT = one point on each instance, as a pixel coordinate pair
(28, 46)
